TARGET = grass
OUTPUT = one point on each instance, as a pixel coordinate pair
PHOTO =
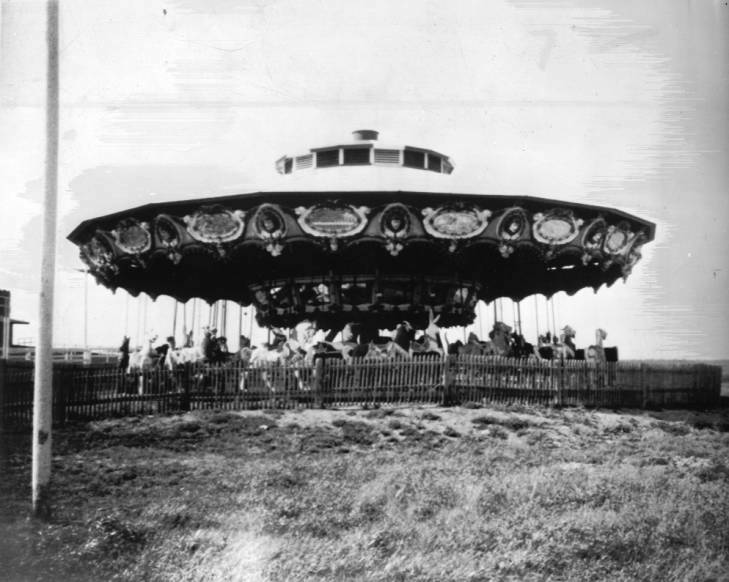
(504, 493)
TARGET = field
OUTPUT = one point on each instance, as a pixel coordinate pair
(412, 494)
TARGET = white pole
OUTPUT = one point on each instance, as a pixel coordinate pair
(184, 324)
(240, 324)
(174, 319)
(5, 308)
(86, 310)
(43, 386)
(481, 319)
(126, 314)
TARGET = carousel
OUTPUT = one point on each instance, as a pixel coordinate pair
(374, 257)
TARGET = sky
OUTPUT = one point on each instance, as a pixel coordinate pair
(610, 102)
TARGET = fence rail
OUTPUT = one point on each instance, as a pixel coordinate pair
(101, 391)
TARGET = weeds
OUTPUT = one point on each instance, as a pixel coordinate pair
(222, 496)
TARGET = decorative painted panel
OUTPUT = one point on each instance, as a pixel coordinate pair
(132, 236)
(556, 227)
(215, 224)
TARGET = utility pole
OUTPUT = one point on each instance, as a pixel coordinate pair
(43, 388)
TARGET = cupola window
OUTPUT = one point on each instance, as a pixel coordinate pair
(327, 158)
(356, 156)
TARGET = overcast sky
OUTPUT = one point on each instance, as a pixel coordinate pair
(610, 102)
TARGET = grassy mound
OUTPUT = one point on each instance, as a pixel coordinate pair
(410, 494)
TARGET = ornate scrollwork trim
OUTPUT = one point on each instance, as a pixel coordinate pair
(592, 239)
(556, 227)
(395, 226)
(132, 237)
(99, 254)
(215, 224)
(332, 221)
(618, 239)
(455, 222)
(270, 225)
(511, 226)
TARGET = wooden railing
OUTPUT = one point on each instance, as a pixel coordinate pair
(80, 355)
(100, 391)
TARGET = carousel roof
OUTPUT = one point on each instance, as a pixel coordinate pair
(379, 255)
(249, 247)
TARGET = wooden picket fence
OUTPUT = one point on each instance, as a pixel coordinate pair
(83, 392)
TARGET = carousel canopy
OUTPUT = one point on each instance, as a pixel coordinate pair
(375, 256)
(384, 256)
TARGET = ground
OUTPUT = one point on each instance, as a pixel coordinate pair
(438, 494)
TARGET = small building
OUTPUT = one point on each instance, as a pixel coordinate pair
(7, 323)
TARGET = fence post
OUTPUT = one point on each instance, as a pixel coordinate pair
(186, 381)
(317, 383)
(643, 385)
(3, 384)
(449, 397)
(560, 384)
(59, 395)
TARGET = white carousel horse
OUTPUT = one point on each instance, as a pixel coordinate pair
(499, 343)
(387, 351)
(194, 354)
(143, 358)
(475, 347)
(596, 353)
(283, 352)
(431, 340)
(500, 339)
(565, 349)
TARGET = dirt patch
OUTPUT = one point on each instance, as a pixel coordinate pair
(318, 440)
(511, 422)
(430, 416)
(380, 413)
(357, 432)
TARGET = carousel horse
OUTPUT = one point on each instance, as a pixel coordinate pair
(430, 342)
(278, 351)
(163, 350)
(218, 351)
(520, 348)
(143, 358)
(404, 335)
(386, 351)
(562, 349)
(357, 343)
(245, 351)
(566, 347)
(502, 342)
(500, 337)
(208, 350)
(395, 348)
(472, 346)
(325, 350)
(283, 351)
(596, 353)
(499, 344)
